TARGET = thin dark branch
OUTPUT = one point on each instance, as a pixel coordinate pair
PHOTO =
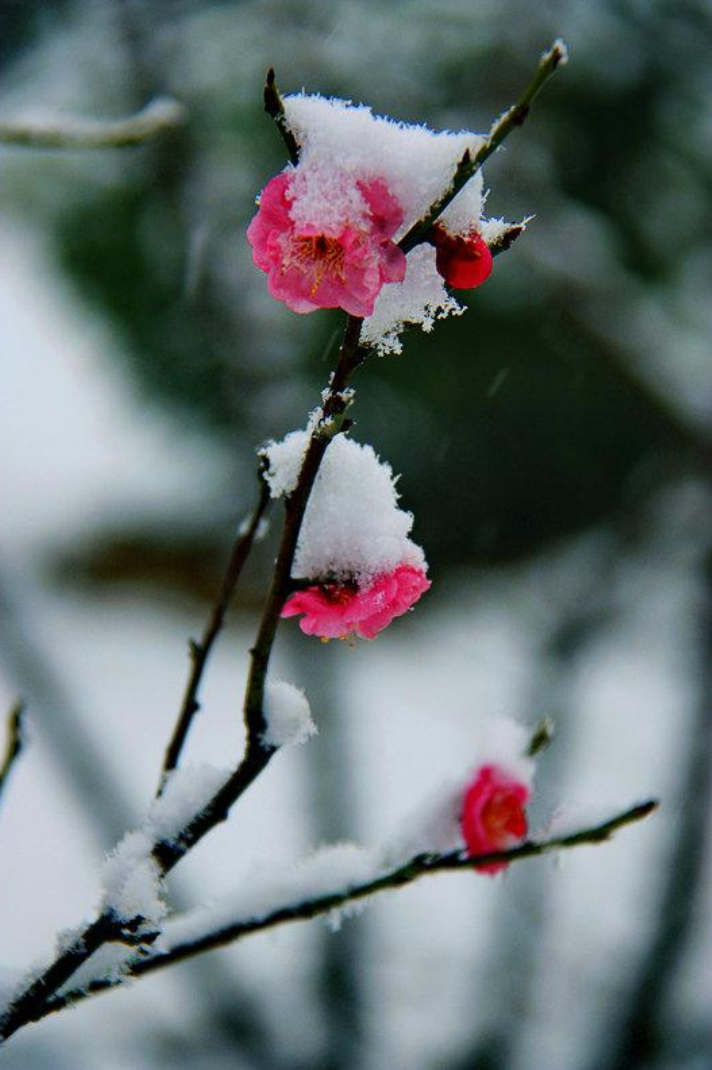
(469, 165)
(274, 106)
(107, 927)
(417, 867)
(257, 753)
(157, 118)
(200, 651)
(14, 742)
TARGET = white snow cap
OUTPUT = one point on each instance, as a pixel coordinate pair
(340, 140)
(352, 527)
(287, 714)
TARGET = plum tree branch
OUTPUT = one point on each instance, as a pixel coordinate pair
(200, 651)
(157, 118)
(420, 866)
(470, 164)
(274, 106)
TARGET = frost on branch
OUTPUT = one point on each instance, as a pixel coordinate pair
(327, 229)
(287, 713)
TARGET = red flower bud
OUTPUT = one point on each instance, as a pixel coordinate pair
(464, 262)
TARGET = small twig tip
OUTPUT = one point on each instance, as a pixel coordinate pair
(559, 52)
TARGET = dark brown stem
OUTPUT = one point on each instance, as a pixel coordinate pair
(258, 753)
(274, 107)
(417, 867)
(470, 164)
(14, 742)
(200, 651)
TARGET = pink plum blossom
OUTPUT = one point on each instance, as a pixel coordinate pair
(464, 262)
(493, 816)
(338, 266)
(335, 611)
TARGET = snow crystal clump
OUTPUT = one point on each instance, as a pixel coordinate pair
(352, 527)
(285, 461)
(131, 879)
(132, 882)
(420, 299)
(287, 714)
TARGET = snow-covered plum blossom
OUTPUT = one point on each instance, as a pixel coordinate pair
(317, 264)
(336, 611)
(327, 229)
(354, 552)
(493, 814)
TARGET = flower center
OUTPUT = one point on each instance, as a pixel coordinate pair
(318, 255)
(503, 816)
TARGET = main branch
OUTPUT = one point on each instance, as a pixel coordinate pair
(420, 866)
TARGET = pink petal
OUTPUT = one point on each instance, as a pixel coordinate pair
(493, 816)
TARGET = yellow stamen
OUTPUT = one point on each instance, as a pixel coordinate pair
(320, 254)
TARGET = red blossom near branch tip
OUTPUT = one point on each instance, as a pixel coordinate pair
(464, 262)
(320, 267)
(336, 611)
(493, 816)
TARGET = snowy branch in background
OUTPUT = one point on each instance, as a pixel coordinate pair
(13, 747)
(159, 117)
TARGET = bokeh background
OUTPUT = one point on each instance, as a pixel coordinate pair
(553, 444)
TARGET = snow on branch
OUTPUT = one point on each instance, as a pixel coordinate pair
(470, 163)
(322, 894)
(157, 118)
